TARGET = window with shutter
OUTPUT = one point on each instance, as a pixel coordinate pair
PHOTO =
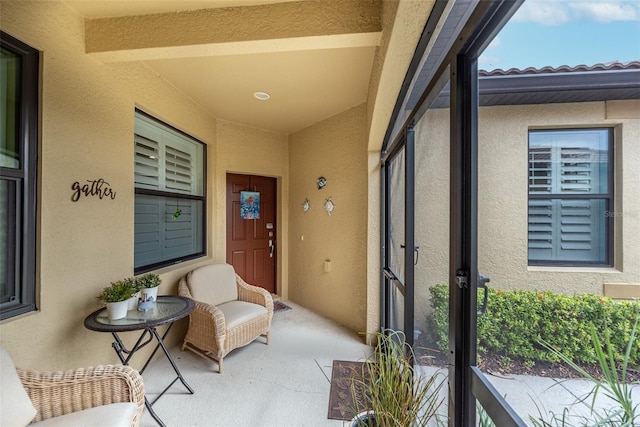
(169, 206)
(569, 197)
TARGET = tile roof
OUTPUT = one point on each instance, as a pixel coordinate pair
(609, 66)
(549, 85)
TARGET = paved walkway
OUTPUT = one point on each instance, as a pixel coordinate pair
(540, 397)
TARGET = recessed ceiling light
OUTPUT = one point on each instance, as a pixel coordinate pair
(262, 96)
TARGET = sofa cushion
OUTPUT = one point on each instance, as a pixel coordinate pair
(240, 312)
(214, 284)
(16, 408)
(114, 415)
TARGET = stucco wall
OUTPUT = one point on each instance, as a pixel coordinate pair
(336, 149)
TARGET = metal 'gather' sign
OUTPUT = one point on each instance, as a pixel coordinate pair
(97, 187)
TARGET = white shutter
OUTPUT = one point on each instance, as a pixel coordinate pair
(540, 170)
(541, 221)
(148, 237)
(168, 161)
(561, 228)
(577, 228)
(577, 170)
(178, 170)
(541, 226)
(147, 157)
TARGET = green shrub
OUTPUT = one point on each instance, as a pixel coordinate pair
(516, 322)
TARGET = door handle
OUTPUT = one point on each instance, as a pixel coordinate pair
(272, 248)
(482, 283)
(416, 249)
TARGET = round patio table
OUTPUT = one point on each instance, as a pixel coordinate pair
(166, 310)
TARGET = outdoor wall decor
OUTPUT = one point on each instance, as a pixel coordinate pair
(177, 214)
(329, 206)
(321, 182)
(97, 187)
(306, 205)
(249, 205)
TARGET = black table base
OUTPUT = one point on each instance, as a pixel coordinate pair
(152, 333)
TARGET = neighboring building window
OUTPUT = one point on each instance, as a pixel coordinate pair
(170, 195)
(19, 68)
(570, 197)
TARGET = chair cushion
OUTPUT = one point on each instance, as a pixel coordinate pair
(16, 408)
(214, 284)
(238, 312)
(114, 415)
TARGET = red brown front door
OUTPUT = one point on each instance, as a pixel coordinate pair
(251, 243)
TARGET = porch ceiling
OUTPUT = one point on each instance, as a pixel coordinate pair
(314, 57)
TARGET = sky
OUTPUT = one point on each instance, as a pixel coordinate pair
(566, 32)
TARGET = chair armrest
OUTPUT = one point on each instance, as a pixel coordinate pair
(208, 316)
(254, 294)
(58, 393)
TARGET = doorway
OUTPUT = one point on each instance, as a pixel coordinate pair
(251, 239)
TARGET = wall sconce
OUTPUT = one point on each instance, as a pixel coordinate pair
(305, 205)
(321, 182)
(329, 206)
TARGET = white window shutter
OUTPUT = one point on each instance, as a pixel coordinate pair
(147, 157)
(178, 170)
(561, 228)
(168, 226)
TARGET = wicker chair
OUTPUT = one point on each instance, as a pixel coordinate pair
(109, 395)
(229, 313)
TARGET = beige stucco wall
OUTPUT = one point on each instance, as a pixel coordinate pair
(336, 149)
(503, 192)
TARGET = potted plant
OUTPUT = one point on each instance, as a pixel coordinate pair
(117, 296)
(147, 285)
(392, 392)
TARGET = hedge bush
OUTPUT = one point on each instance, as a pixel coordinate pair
(516, 321)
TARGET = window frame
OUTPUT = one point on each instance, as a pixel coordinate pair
(176, 195)
(608, 197)
(25, 179)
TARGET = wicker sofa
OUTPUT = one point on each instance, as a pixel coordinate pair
(229, 313)
(109, 395)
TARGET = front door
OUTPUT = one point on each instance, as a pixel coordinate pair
(251, 241)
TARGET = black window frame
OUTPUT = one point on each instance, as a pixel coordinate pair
(22, 260)
(609, 198)
(172, 195)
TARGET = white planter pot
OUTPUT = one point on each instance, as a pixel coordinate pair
(133, 301)
(149, 294)
(117, 310)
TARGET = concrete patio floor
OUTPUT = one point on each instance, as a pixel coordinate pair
(287, 383)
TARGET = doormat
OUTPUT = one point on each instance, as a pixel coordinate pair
(341, 403)
(280, 306)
